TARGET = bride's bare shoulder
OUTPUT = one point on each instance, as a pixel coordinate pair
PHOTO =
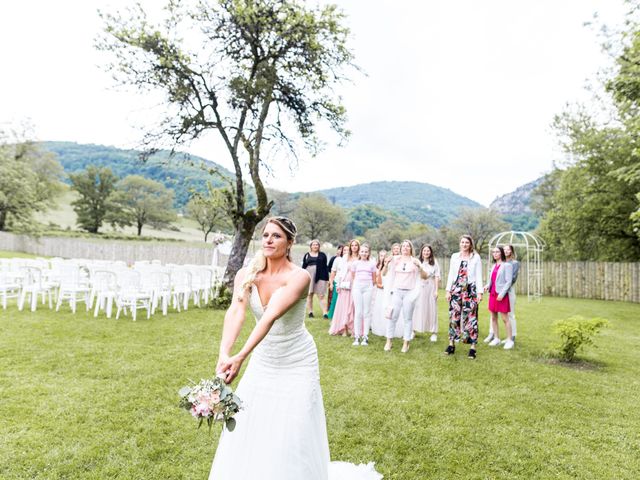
(298, 277)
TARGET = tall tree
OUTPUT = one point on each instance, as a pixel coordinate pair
(591, 203)
(385, 234)
(29, 180)
(210, 210)
(95, 187)
(261, 74)
(142, 201)
(480, 223)
(317, 218)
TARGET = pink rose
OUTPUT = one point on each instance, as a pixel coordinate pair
(203, 409)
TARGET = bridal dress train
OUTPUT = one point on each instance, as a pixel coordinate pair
(281, 432)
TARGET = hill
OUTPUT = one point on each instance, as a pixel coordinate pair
(515, 206)
(182, 173)
(419, 202)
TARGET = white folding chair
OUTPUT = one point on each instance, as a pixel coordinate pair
(33, 285)
(131, 295)
(161, 291)
(181, 287)
(9, 288)
(74, 286)
(104, 287)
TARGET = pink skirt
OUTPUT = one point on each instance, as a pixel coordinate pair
(498, 306)
(343, 315)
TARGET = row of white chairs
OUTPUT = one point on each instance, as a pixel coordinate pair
(101, 284)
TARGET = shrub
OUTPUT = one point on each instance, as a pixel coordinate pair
(222, 297)
(576, 332)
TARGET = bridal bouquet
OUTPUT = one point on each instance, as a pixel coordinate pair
(211, 400)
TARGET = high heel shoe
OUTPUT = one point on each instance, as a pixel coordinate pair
(405, 348)
(387, 347)
(450, 350)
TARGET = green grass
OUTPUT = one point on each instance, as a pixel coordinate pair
(96, 399)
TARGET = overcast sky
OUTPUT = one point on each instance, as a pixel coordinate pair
(459, 94)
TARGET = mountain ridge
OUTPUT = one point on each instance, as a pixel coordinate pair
(416, 201)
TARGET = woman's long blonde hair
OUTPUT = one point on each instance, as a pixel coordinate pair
(259, 262)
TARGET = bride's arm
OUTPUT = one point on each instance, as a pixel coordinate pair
(233, 319)
(281, 301)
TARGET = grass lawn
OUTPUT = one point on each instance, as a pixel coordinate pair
(96, 399)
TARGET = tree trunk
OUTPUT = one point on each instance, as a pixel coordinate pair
(3, 219)
(206, 234)
(139, 228)
(241, 240)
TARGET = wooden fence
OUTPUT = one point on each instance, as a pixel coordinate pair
(596, 280)
(128, 251)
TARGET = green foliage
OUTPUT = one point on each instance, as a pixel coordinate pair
(368, 216)
(418, 202)
(523, 222)
(575, 333)
(29, 179)
(182, 173)
(262, 76)
(317, 218)
(587, 206)
(95, 187)
(590, 207)
(210, 211)
(140, 202)
(480, 223)
(222, 297)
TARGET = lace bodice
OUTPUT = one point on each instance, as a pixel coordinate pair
(288, 341)
(291, 322)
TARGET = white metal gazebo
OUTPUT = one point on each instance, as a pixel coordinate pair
(529, 249)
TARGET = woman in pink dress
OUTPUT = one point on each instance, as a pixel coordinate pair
(342, 321)
(498, 288)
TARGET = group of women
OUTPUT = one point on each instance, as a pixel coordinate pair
(396, 295)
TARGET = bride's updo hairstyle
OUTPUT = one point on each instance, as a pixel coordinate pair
(259, 262)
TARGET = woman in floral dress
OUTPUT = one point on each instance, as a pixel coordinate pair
(464, 292)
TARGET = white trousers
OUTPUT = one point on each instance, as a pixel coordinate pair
(401, 302)
(512, 310)
(361, 295)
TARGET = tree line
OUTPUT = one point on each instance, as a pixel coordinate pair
(590, 204)
(33, 178)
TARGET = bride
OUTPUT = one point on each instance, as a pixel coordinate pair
(281, 432)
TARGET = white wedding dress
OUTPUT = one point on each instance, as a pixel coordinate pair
(281, 432)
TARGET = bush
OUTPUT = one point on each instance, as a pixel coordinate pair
(576, 332)
(222, 297)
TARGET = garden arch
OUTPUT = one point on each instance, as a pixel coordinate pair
(529, 250)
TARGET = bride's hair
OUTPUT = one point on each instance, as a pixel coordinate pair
(259, 262)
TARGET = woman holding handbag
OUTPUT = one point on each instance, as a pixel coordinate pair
(342, 322)
(334, 267)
